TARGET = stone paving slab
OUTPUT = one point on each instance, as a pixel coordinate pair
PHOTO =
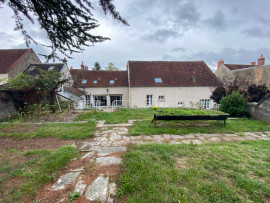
(105, 161)
(90, 154)
(104, 151)
(80, 186)
(65, 180)
(112, 192)
(98, 190)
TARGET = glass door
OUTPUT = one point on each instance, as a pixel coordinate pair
(149, 100)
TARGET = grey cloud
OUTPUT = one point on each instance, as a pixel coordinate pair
(168, 57)
(230, 56)
(186, 13)
(218, 21)
(160, 35)
(176, 49)
(256, 31)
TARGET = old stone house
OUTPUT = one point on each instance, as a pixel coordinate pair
(15, 61)
(243, 75)
(149, 83)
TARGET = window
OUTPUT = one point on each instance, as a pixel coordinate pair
(116, 100)
(87, 99)
(51, 68)
(205, 103)
(161, 98)
(100, 100)
(111, 81)
(84, 81)
(149, 101)
(95, 82)
(158, 80)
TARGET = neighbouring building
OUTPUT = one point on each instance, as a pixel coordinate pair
(148, 83)
(15, 61)
(244, 75)
(101, 88)
(66, 91)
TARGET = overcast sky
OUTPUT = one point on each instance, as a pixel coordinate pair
(234, 30)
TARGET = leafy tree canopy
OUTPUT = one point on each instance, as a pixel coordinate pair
(111, 67)
(97, 66)
(257, 92)
(67, 23)
(217, 94)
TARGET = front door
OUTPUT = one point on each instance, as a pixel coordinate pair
(149, 101)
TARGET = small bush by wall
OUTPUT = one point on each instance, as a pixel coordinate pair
(234, 104)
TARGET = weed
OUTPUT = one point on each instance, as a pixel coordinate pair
(73, 196)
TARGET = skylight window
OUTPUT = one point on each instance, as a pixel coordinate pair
(95, 82)
(51, 68)
(111, 81)
(158, 80)
(84, 81)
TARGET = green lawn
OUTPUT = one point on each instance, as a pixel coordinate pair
(65, 131)
(224, 172)
(120, 116)
(145, 127)
(23, 174)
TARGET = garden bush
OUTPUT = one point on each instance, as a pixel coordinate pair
(234, 104)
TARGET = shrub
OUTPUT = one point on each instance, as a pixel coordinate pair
(217, 94)
(234, 104)
(257, 92)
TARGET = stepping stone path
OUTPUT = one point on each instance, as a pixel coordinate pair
(111, 141)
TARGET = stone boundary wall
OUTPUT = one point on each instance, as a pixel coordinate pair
(7, 106)
(263, 110)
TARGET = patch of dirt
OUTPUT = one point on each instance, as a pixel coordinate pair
(21, 128)
(59, 117)
(181, 163)
(30, 144)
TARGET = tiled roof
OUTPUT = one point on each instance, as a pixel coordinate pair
(237, 66)
(32, 69)
(74, 91)
(10, 57)
(172, 74)
(99, 78)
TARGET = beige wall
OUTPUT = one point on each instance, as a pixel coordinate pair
(100, 91)
(244, 77)
(3, 78)
(173, 95)
(31, 57)
(225, 75)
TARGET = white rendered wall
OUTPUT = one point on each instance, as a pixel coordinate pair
(3, 78)
(173, 95)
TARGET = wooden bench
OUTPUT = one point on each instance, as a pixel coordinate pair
(190, 117)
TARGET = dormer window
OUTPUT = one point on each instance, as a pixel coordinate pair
(95, 82)
(51, 68)
(158, 80)
(111, 81)
(84, 81)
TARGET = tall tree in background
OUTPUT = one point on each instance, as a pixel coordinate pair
(97, 66)
(67, 23)
(111, 67)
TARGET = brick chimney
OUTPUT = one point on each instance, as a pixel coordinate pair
(261, 60)
(82, 66)
(253, 63)
(219, 63)
(85, 67)
(194, 76)
(71, 67)
(65, 60)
